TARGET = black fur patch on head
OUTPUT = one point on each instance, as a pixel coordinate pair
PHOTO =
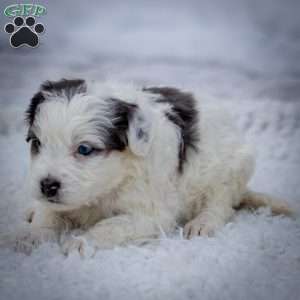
(36, 100)
(122, 113)
(63, 87)
(184, 114)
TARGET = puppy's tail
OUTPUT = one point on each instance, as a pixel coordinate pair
(254, 200)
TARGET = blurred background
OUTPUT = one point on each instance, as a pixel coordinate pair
(233, 48)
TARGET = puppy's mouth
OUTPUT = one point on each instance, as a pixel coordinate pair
(55, 203)
(54, 200)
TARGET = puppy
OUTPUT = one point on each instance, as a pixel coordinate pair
(124, 164)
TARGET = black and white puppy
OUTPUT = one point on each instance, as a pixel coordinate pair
(123, 164)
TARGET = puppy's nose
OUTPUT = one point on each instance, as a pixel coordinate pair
(49, 187)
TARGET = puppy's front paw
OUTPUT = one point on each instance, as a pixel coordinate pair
(78, 244)
(199, 227)
(26, 242)
(29, 240)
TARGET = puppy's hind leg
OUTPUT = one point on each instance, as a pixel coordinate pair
(215, 213)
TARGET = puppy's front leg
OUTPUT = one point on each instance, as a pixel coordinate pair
(45, 225)
(115, 231)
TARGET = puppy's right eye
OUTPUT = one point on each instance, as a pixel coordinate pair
(35, 145)
(85, 149)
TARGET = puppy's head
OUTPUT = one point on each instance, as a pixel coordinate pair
(81, 143)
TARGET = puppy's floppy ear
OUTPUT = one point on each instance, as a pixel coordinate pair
(132, 128)
(31, 111)
(139, 133)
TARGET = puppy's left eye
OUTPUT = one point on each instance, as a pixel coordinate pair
(85, 149)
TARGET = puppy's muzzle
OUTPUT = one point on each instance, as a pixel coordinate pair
(49, 188)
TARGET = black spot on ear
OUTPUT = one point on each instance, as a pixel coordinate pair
(122, 113)
(141, 134)
(63, 87)
(36, 100)
(184, 114)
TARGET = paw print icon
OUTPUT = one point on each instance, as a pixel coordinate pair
(24, 32)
